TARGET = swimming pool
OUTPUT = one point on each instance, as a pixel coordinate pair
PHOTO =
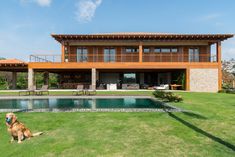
(82, 104)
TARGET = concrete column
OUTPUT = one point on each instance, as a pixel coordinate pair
(93, 78)
(14, 80)
(46, 78)
(30, 78)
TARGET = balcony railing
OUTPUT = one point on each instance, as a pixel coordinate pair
(45, 58)
(150, 57)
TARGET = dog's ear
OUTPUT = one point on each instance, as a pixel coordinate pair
(14, 118)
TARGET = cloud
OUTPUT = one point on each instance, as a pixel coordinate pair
(42, 3)
(86, 10)
(228, 49)
(210, 17)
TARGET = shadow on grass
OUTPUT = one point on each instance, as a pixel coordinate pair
(194, 115)
(193, 127)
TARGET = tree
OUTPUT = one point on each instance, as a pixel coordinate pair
(228, 70)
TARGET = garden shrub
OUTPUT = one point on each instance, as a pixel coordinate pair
(229, 91)
(167, 96)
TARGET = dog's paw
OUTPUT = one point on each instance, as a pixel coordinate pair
(19, 142)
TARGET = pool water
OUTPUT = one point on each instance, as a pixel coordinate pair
(82, 103)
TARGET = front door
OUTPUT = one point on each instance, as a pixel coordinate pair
(193, 55)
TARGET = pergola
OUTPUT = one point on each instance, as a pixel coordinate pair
(13, 66)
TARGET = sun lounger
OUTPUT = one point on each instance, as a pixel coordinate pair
(79, 90)
(30, 91)
(43, 90)
(91, 91)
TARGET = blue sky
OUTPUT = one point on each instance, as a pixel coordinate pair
(26, 25)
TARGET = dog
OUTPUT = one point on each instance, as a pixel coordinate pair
(17, 129)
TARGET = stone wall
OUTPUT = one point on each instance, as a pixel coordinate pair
(204, 80)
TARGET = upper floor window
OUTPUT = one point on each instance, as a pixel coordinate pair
(174, 50)
(82, 54)
(109, 55)
(158, 50)
(166, 50)
(193, 55)
(131, 50)
(146, 49)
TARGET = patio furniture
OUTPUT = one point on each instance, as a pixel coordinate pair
(90, 91)
(44, 89)
(133, 86)
(112, 86)
(29, 91)
(79, 90)
(162, 87)
(175, 86)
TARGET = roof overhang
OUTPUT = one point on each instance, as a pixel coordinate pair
(13, 65)
(141, 37)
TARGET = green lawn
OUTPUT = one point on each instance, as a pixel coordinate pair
(206, 131)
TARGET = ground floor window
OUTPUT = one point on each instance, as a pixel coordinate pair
(129, 78)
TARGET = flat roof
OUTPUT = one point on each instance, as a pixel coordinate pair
(13, 65)
(140, 36)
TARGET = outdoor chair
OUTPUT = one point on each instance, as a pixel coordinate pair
(29, 91)
(91, 91)
(44, 89)
(79, 90)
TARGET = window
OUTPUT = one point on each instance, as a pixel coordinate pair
(82, 55)
(129, 78)
(158, 50)
(165, 50)
(174, 50)
(131, 50)
(193, 55)
(146, 50)
(109, 55)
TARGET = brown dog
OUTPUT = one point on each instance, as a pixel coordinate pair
(18, 130)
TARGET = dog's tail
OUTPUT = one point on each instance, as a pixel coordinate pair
(37, 134)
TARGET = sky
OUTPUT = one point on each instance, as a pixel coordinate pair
(26, 25)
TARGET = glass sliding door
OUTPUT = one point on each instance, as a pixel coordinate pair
(109, 55)
(82, 55)
(193, 55)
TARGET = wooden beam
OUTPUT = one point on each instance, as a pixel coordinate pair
(218, 52)
(62, 52)
(187, 78)
(140, 52)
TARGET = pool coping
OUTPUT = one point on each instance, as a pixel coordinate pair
(173, 108)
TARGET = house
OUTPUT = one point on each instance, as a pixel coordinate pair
(134, 61)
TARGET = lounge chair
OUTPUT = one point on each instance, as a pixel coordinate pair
(29, 91)
(79, 90)
(162, 87)
(91, 91)
(44, 89)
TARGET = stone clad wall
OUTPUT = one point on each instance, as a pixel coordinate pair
(204, 80)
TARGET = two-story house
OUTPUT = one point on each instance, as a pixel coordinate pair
(135, 61)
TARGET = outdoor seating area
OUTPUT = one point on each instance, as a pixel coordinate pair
(33, 91)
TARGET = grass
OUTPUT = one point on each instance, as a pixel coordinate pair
(208, 130)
